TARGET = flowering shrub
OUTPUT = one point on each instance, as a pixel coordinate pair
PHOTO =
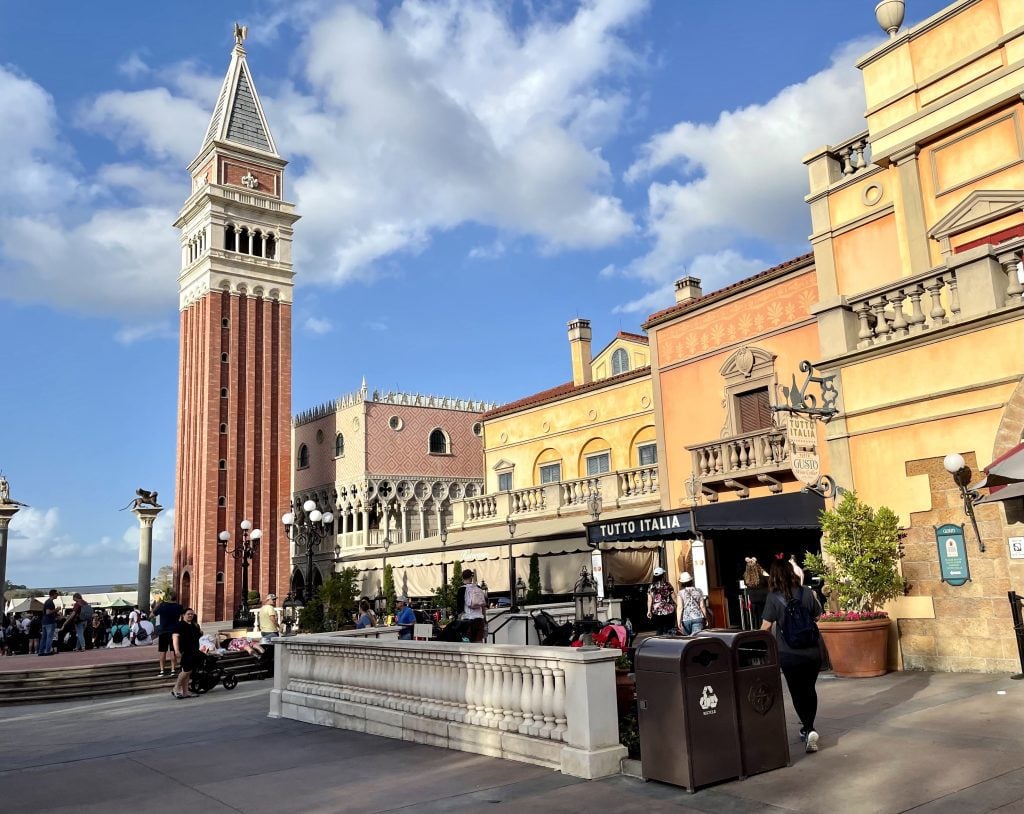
(852, 616)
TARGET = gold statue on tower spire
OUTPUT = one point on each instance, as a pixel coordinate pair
(241, 32)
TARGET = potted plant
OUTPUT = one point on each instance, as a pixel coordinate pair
(861, 553)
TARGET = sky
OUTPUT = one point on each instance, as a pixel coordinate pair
(471, 175)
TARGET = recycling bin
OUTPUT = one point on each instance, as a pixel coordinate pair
(764, 744)
(686, 711)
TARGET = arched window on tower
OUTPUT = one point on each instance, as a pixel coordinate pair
(303, 456)
(243, 241)
(257, 243)
(438, 442)
(339, 445)
(230, 239)
(620, 362)
(271, 247)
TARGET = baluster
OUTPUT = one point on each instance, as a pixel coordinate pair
(734, 458)
(858, 155)
(516, 697)
(558, 706)
(547, 702)
(1014, 288)
(537, 700)
(899, 319)
(526, 699)
(490, 718)
(934, 289)
(916, 314)
(509, 699)
(881, 323)
(702, 461)
(474, 709)
(848, 168)
(865, 336)
(954, 298)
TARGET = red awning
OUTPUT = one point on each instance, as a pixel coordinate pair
(1004, 477)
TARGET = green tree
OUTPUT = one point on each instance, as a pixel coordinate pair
(163, 581)
(311, 617)
(861, 550)
(389, 588)
(447, 595)
(533, 590)
(339, 598)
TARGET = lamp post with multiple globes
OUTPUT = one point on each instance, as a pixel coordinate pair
(244, 550)
(307, 532)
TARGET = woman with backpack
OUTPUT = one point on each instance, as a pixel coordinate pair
(794, 611)
(661, 604)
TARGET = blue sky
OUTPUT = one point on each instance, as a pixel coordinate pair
(471, 176)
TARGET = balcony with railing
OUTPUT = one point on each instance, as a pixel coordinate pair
(740, 461)
(619, 489)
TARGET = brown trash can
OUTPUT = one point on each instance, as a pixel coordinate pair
(764, 744)
(686, 711)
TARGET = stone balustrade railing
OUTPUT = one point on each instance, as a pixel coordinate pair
(853, 155)
(550, 706)
(909, 307)
(752, 453)
(616, 488)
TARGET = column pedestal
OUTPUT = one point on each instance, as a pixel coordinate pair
(147, 516)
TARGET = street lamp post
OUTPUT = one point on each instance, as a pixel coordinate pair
(513, 603)
(307, 534)
(381, 602)
(244, 550)
(444, 565)
(954, 464)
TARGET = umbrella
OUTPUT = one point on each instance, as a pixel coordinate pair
(26, 604)
(1004, 476)
(121, 602)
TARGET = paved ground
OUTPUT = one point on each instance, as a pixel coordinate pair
(906, 742)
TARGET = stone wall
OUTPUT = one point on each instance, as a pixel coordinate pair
(972, 630)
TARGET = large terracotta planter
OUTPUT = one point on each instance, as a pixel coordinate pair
(857, 649)
(625, 690)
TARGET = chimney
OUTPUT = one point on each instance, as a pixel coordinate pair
(579, 347)
(688, 288)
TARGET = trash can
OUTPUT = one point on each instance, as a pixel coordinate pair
(686, 711)
(764, 744)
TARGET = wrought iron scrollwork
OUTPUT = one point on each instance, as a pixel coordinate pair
(799, 401)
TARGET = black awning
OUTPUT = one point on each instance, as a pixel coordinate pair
(673, 525)
(795, 510)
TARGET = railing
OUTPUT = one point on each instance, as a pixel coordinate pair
(934, 300)
(575, 492)
(251, 200)
(549, 706)
(748, 454)
(638, 482)
(852, 156)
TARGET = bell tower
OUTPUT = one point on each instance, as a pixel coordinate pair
(234, 385)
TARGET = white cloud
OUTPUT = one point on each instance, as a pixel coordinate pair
(130, 334)
(318, 326)
(742, 177)
(490, 251)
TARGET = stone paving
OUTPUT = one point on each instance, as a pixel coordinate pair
(905, 742)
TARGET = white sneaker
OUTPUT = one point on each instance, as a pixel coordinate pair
(812, 741)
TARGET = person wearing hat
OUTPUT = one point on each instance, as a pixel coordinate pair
(693, 605)
(661, 604)
(270, 621)
(405, 618)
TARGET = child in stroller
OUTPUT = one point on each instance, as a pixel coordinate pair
(207, 674)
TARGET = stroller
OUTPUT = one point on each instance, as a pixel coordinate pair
(207, 674)
(550, 632)
(456, 630)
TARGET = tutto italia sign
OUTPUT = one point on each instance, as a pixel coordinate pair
(646, 527)
(802, 438)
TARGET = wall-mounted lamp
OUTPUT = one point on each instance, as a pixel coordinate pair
(955, 466)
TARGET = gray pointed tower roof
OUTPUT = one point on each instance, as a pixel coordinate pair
(238, 117)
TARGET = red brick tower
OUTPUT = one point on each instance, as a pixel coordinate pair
(234, 390)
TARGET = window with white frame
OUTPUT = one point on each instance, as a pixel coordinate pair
(551, 473)
(504, 481)
(647, 454)
(599, 464)
(620, 362)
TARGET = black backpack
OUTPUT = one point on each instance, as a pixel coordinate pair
(118, 636)
(798, 628)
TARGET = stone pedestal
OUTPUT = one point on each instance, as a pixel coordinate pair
(147, 516)
(7, 511)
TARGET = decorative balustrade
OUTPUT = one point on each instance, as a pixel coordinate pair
(550, 706)
(524, 501)
(575, 492)
(749, 454)
(934, 300)
(480, 508)
(852, 156)
(638, 482)
(1013, 268)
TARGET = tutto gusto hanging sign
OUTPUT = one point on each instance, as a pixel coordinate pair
(802, 440)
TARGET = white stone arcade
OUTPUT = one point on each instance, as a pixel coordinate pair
(551, 706)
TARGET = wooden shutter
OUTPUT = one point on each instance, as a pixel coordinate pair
(753, 410)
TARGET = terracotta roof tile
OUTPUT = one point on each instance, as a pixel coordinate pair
(681, 307)
(563, 390)
(632, 336)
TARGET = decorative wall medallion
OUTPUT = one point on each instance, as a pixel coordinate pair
(745, 361)
(250, 180)
(872, 194)
(645, 401)
(503, 437)
(592, 415)
(355, 423)
(545, 426)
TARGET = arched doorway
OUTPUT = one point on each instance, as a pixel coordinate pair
(298, 583)
(186, 589)
(318, 579)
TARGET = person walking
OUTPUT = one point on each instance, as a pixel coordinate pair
(81, 614)
(133, 625)
(168, 614)
(693, 606)
(471, 605)
(794, 611)
(270, 619)
(186, 648)
(661, 604)
(405, 618)
(46, 645)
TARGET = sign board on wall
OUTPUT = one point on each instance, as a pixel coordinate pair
(953, 565)
(1016, 548)
(802, 438)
